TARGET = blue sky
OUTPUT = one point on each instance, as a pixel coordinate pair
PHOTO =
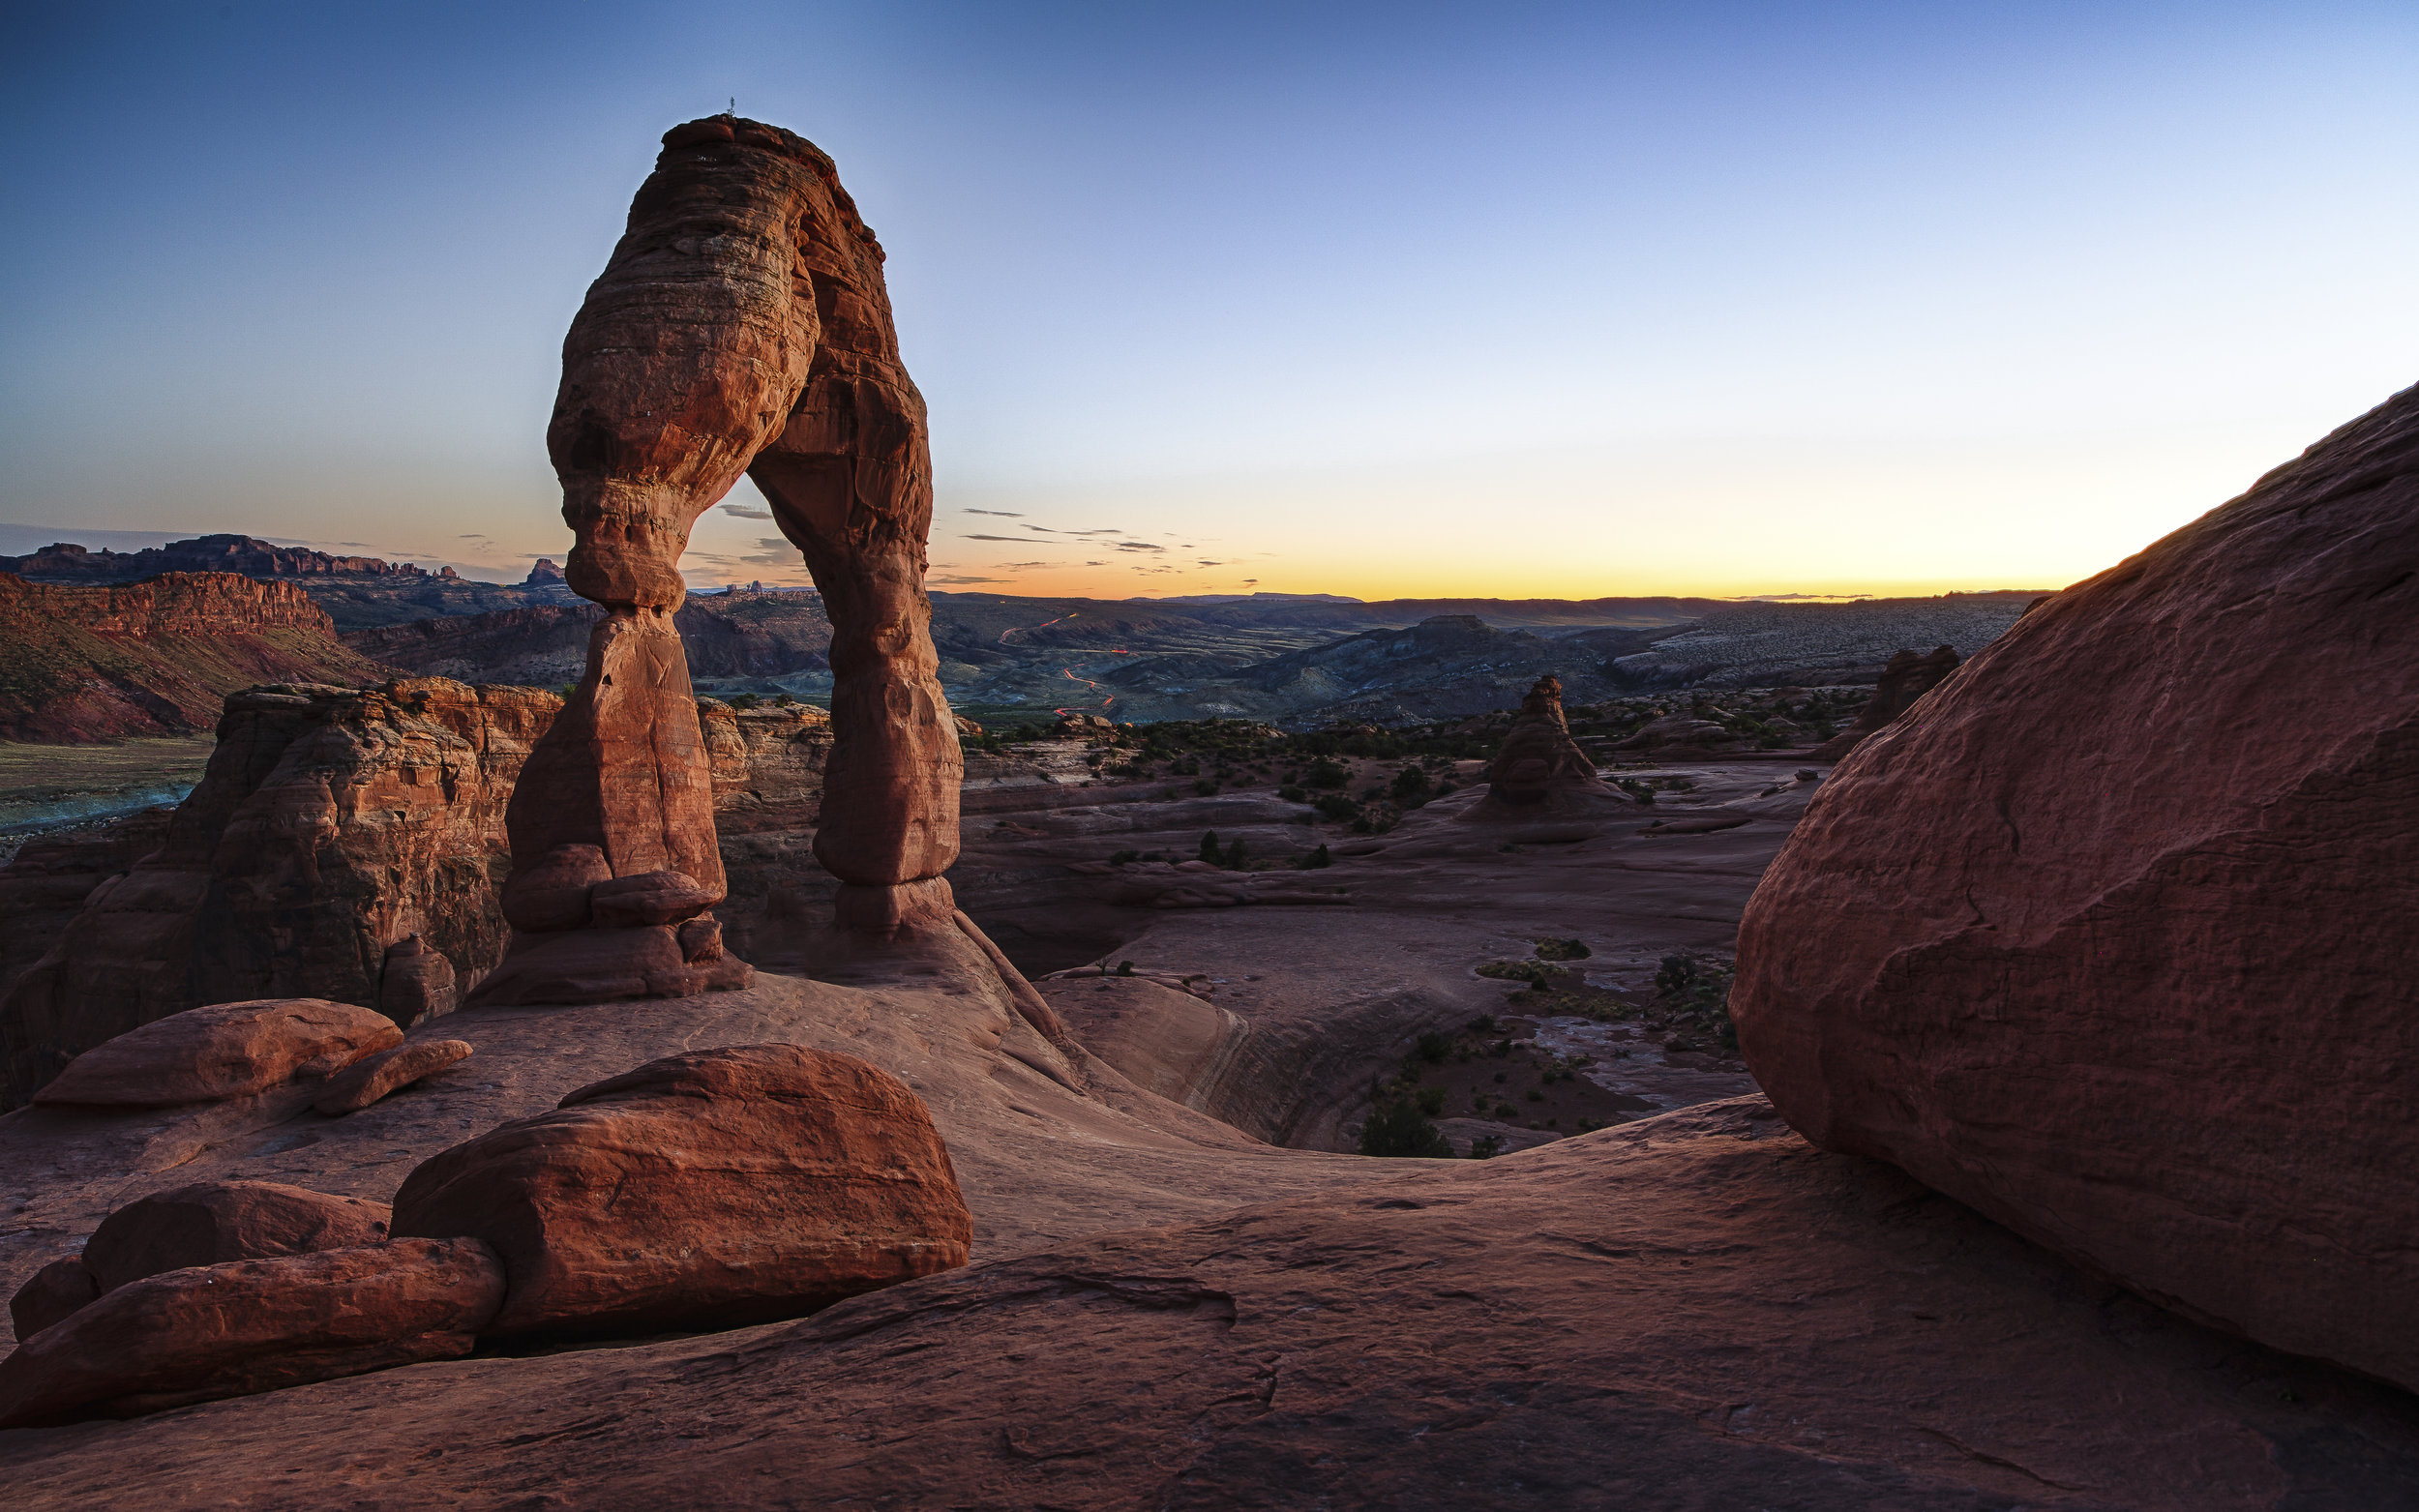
(1503, 299)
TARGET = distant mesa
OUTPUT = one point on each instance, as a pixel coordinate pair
(247, 555)
(544, 574)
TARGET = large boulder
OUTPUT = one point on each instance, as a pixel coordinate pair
(366, 1082)
(224, 1051)
(1539, 771)
(231, 1329)
(213, 1221)
(702, 1191)
(2110, 936)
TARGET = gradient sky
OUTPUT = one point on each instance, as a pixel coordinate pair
(1372, 299)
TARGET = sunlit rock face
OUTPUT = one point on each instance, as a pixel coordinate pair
(2109, 936)
(741, 326)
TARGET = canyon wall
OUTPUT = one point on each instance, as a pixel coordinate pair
(156, 658)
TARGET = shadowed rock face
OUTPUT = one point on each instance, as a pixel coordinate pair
(2110, 936)
(741, 326)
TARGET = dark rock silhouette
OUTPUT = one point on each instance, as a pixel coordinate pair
(1539, 771)
(2110, 937)
(1909, 677)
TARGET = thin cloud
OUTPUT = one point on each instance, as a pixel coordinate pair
(745, 513)
(1013, 566)
(1139, 545)
(955, 581)
(1206, 562)
(1095, 564)
(1003, 513)
(1042, 529)
(1105, 530)
(1019, 540)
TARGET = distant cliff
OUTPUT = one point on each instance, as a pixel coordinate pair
(246, 556)
(356, 591)
(156, 658)
(728, 635)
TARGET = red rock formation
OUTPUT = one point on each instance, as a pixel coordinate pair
(214, 1220)
(2110, 937)
(351, 1090)
(158, 657)
(245, 1327)
(545, 645)
(43, 887)
(1540, 770)
(1909, 677)
(330, 825)
(51, 1293)
(242, 555)
(223, 1050)
(755, 294)
(702, 1191)
(416, 983)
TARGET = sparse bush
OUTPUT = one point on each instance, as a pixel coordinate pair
(1484, 1024)
(1205, 788)
(1234, 858)
(1209, 848)
(1324, 773)
(1486, 1146)
(1563, 950)
(1314, 861)
(1411, 788)
(1125, 968)
(1337, 807)
(1293, 794)
(1434, 1048)
(1396, 1130)
(1430, 1100)
(1122, 857)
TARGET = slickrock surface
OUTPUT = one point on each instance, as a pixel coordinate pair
(702, 1191)
(221, 1052)
(213, 1221)
(1700, 1311)
(330, 825)
(2110, 937)
(351, 1090)
(245, 1327)
(1909, 677)
(156, 658)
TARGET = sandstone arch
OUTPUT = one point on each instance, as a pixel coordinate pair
(741, 326)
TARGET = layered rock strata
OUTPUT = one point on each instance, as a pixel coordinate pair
(330, 827)
(2110, 936)
(156, 658)
(740, 326)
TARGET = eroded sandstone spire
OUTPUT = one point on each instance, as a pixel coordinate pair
(741, 326)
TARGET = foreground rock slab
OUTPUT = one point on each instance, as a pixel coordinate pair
(1700, 1311)
(224, 1051)
(214, 1220)
(702, 1191)
(245, 1327)
(2110, 936)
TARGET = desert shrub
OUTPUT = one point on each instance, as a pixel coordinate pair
(1411, 788)
(1430, 1100)
(744, 701)
(1205, 788)
(1293, 794)
(1434, 1048)
(1233, 861)
(1337, 807)
(1484, 1024)
(1698, 996)
(1324, 773)
(1123, 856)
(1563, 950)
(1209, 848)
(1533, 1095)
(1125, 968)
(1528, 972)
(1486, 1146)
(1397, 1130)
(1314, 861)
(783, 700)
